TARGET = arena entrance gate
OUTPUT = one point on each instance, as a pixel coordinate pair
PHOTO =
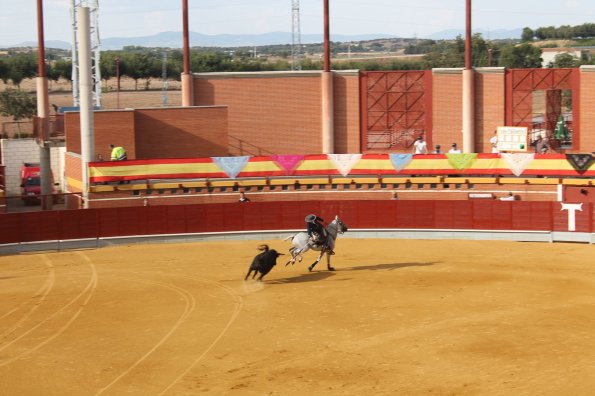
(396, 108)
(546, 101)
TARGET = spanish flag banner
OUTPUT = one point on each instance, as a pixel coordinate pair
(329, 165)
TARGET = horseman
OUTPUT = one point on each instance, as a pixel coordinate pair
(317, 232)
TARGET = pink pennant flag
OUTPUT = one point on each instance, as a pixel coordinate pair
(289, 163)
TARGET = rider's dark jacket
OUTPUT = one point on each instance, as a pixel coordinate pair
(317, 229)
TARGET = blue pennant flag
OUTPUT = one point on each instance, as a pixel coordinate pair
(231, 165)
(400, 161)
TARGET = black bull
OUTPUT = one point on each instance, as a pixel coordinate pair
(263, 262)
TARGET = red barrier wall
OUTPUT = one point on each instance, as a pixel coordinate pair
(286, 215)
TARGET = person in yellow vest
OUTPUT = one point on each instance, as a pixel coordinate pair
(118, 153)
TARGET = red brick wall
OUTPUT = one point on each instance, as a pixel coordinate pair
(269, 113)
(447, 107)
(347, 113)
(74, 177)
(154, 133)
(587, 109)
(489, 106)
(280, 113)
(110, 127)
(181, 132)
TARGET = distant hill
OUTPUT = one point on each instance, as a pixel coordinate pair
(174, 39)
(48, 43)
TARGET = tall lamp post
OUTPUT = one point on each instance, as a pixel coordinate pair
(43, 111)
(187, 83)
(468, 89)
(117, 82)
(328, 141)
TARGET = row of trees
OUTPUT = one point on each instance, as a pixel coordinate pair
(501, 53)
(136, 63)
(141, 63)
(586, 30)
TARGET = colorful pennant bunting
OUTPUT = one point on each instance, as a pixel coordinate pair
(580, 162)
(400, 161)
(232, 166)
(344, 162)
(461, 161)
(518, 162)
(289, 163)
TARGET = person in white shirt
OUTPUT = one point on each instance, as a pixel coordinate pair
(454, 149)
(509, 197)
(494, 143)
(420, 146)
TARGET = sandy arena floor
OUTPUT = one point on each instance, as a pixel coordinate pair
(398, 317)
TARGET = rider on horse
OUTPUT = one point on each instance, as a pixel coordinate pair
(317, 232)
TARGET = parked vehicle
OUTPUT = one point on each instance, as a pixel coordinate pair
(31, 183)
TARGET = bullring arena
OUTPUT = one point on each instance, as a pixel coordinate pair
(396, 317)
(440, 286)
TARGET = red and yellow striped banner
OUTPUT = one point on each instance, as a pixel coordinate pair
(323, 165)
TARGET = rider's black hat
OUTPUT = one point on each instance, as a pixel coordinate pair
(310, 218)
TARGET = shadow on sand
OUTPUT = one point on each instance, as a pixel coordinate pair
(386, 267)
(307, 277)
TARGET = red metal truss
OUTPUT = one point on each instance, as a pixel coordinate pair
(396, 107)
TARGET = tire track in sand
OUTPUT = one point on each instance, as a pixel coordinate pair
(89, 290)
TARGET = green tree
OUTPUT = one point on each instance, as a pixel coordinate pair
(446, 54)
(64, 69)
(521, 56)
(527, 34)
(175, 65)
(107, 64)
(17, 104)
(566, 60)
(21, 66)
(3, 71)
(136, 66)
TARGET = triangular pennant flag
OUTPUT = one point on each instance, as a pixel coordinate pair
(344, 162)
(288, 163)
(580, 162)
(461, 161)
(517, 162)
(231, 165)
(400, 161)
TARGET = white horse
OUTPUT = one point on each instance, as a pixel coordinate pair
(300, 244)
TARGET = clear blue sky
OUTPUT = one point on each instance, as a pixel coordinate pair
(131, 18)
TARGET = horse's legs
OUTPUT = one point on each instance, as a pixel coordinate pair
(292, 258)
(328, 262)
(310, 268)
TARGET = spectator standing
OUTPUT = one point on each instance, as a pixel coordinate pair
(420, 146)
(437, 150)
(118, 153)
(541, 145)
(243, 197)
(494, 143)
(454, 149)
